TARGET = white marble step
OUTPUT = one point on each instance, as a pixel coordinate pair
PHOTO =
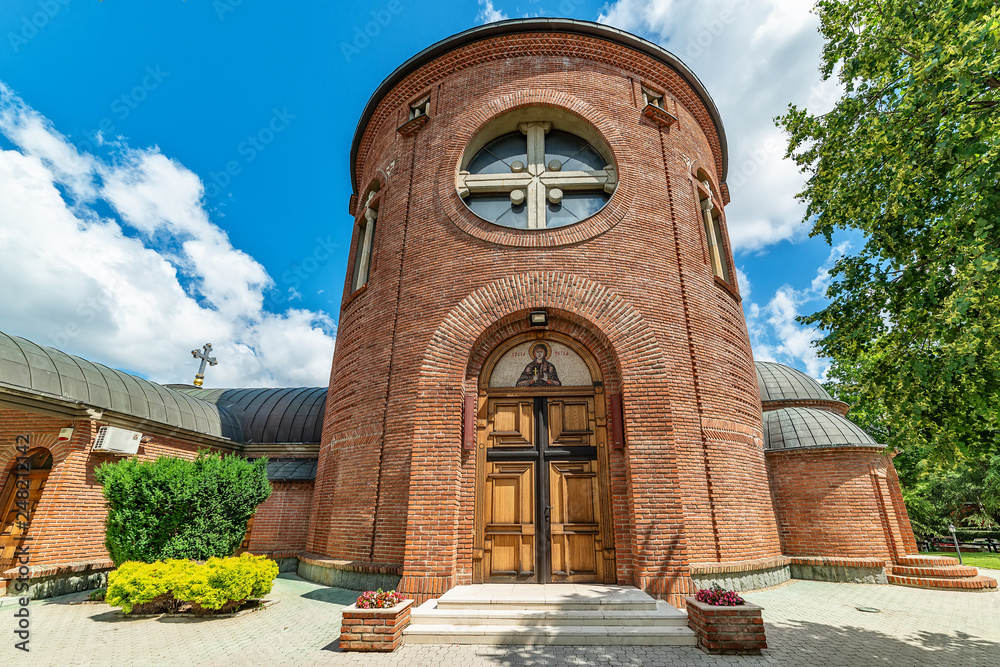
(595, 635)
(576, 597)
(663, 615)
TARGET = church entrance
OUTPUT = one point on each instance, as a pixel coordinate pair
(542, 497)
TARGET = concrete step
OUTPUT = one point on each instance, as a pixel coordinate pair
(951, 572)
(928, 561)
(664, 615)
(568, 597)
(977, 583)
(565, 614)
(562, 635)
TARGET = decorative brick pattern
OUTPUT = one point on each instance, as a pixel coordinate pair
(632, 283)
(727, 630)
(851, 510)
(374, 629)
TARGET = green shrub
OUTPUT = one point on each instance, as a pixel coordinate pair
(177, 508)
(217, 584)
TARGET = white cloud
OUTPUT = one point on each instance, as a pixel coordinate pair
(488, 13)
(140, 289)
(754, 58)
(774, 333)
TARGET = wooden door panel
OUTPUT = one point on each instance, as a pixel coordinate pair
(571, 422)
(511, 422)
(509, 539)
(11, 532)
(575, 529)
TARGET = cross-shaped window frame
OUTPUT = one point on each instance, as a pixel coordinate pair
(536, 183)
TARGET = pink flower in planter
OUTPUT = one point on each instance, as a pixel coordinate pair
(379, 599)
(718, 596)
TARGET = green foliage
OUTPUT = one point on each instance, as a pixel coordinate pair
(960, 493)
(910, 156)
(177, 508)
(216, 584)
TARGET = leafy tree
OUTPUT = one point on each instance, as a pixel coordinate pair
(178, 508)
(910, 156)
(964, 493)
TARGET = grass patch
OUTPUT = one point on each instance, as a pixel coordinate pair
(981, 559)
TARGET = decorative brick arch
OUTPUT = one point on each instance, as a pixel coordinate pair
(440, 470)
(615, 321)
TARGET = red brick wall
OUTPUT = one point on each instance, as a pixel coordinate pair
(282, 521)
(68, 525)
(839, 502)
(633, 282)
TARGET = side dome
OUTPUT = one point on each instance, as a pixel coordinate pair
(47, 371)
(799, 427)
(779, 382)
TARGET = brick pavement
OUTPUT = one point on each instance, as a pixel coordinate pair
(808, 623)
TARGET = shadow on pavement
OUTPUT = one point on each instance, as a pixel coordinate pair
(339, 596)
(803, 642)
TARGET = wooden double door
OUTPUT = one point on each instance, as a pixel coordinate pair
(542, 500)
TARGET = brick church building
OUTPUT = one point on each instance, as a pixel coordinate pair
(542, 371)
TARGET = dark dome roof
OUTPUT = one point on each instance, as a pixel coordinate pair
(271, 415)
(795, 427)
(48, 372)
(241, 415)
(778, 382)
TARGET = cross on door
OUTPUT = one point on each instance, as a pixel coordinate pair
(536, 182)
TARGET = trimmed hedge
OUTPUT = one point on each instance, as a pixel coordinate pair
(219, 584)
(178, 508)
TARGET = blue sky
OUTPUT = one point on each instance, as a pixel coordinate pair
(124, 239)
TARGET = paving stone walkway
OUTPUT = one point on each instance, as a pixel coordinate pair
(808, 623)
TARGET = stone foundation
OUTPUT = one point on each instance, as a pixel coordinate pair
(352, 575)
(374, 629)
(48, 581)
(846, 570)
(741, 575)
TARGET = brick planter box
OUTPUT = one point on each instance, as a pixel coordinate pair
(727, 630)
(374, 629)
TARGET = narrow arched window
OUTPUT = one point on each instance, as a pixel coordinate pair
(711, 218)
(366, 236)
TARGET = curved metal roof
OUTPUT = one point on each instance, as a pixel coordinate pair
(791, 428)
(778, 382)
(291, 470)
(50, 372)
(515, 26)
(284, 415)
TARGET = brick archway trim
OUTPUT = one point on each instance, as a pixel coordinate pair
(437, 462)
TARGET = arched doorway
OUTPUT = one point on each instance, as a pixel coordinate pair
(13, 514)
(542, 484)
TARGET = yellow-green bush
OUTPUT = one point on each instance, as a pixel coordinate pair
(214, 584)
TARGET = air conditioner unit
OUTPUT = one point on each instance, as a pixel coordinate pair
(117, 440)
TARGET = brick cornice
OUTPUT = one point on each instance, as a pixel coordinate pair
(561, 45)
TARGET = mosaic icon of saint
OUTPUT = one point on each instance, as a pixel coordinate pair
(539, 372)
